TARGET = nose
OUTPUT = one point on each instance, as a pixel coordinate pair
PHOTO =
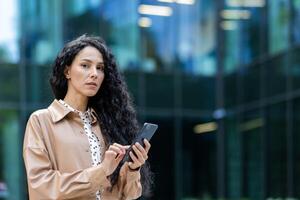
(93, 72)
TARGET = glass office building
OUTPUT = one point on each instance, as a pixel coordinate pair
(220, 77)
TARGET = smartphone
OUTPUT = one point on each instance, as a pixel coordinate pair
(146, 132)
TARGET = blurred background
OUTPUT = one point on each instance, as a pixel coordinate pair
(220, 77)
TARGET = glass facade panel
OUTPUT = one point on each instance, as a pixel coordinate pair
(9, 82)
(41, 30)
(251, 130)
(168, 44)
(198, 92)
(162, 155)
(251, 84)
(133, 82)
(9, 33)
(11, 177)
(160, 86)
(233, 158)
(243, 35)
(276, 151)
(275, 75)
(37, 84)
(296, 152)
(199, 160)
(296, 20)
(279, 17)
(231, 53)
(123, 35)
(244, 152)
(231, 89)
(294, 68)
(80, 17)
(253, 42)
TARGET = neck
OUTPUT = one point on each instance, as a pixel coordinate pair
(77, 102)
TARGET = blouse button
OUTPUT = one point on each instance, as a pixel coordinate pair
(86, 150)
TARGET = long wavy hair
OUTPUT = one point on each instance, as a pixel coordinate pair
(112, 103)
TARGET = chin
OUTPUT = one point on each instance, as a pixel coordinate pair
(91, 94)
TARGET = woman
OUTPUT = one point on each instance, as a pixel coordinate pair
(74, 148)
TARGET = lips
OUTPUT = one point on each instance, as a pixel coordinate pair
(92, 84)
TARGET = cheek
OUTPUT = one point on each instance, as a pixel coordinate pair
(78, 74)
(78, 78)
(101, 77)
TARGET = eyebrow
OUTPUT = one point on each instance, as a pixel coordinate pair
(90, 61)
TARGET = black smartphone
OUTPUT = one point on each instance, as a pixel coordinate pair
(146, 132)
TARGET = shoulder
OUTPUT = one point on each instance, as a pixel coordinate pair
(34, 132)
(39, 117)
(39, 114)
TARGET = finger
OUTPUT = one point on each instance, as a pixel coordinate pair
(142, 150)
(139, 154)
(147, 145)
(133, 166)
(110, 154)
(115, 149)
(120, 146)
(134, 159)
(120, 157)
(114, 155)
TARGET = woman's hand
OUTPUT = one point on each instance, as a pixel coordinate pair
(113, 157)
(140, 156)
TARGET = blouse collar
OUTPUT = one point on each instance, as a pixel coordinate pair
(59, 111)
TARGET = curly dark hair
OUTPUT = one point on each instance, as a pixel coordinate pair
(112, 103)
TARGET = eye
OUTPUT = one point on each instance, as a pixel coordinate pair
(84, 66)
(100, 67)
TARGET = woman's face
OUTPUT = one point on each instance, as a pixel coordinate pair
(86, 73)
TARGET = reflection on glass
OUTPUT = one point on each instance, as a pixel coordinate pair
(175, 46)
(9, 83)
(296, 141)
(198, 92)
(276, 75)
(253, 148)
(10, 148)
(9, 32)
(233, 158)
(296, 21)
(199, 159)
(294, 67)
(277, 149)
(251, 84)
(278, 25)
(162, 157)
(122, 35)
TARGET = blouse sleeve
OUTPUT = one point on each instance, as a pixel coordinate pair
(130, 183)
(47, 183)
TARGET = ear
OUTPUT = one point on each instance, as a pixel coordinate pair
(67, 72)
